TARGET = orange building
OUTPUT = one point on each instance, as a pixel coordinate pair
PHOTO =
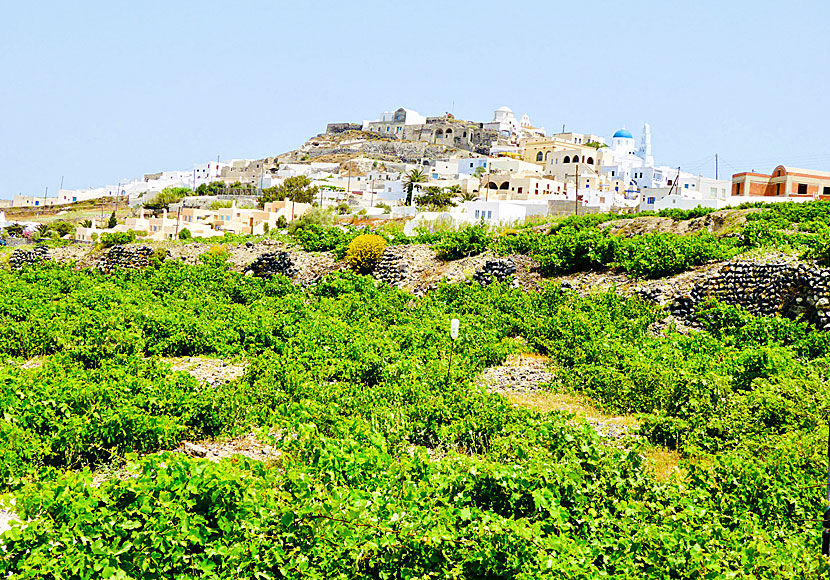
(784, 182)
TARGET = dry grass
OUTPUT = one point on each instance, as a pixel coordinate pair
(546, 402)
(664, 463)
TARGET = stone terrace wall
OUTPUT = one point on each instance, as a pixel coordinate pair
(125, 258)
(765, 289)
(36, 256)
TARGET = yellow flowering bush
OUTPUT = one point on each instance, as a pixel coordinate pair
(364, 252)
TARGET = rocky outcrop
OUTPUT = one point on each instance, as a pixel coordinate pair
(791, 289)
(271, 264)
(33, 257)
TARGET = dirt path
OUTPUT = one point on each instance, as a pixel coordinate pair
(523, 379)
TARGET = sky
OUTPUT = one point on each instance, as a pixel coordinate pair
(96, 92)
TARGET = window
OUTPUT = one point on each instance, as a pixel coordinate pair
(826, 190)
(489, 214)
(540, 156)
(477, 214)
(802, 189)
(685, 186)
(520, 190)
(650, 201)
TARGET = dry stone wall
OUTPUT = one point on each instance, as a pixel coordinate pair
(496, 270)
(765, 289)
(271, 264)
(33, 257)
(125, 258)
(392, 268)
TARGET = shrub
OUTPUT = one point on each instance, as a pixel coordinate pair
(282, 223)
(109, 240)
(469, 241)
(364, 252)
(819, 252)
(185, 234)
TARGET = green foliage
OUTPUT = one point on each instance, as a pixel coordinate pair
(468, 241)
(390, 464)
(212, 188)
(412, 181)
(820, 252)
(184, 234)
(167, 196)
(297, 189)
(112, 221)
(110, 239)
(282, 223)
(437, 197)
(14, 230)
(364, 252)
(686, 214)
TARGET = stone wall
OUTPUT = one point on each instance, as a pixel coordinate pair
(335, 128)
(271, 264)
(33, 257)
(126, 258)
(790, 289)
(392, 268)
(399, 150)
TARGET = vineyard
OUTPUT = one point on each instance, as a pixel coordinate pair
(391, 463)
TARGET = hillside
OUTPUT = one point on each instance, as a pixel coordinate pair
(628, 397)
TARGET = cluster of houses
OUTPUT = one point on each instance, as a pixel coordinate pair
(504, 170)
(202, 223)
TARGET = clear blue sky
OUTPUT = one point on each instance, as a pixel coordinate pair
(98, 91)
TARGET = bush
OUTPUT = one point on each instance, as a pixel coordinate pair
(364, 252)
(819, 252)
(185, 234)
(282, 223)
(469, 241)
(109, 240)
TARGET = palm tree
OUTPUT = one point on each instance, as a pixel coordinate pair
(468, 196)
(414, 177)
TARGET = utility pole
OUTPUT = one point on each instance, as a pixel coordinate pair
(576, 197)
(716, 165)
(487, 186)
(349, 182)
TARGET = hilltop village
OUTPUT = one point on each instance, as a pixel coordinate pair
(407, 165)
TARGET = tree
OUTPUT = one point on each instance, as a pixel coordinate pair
(414, 177)
(468, 196)
(436, 197)
(298, 189)
(167, 196)
(112, 222)
(86, 224)
(212, 188)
